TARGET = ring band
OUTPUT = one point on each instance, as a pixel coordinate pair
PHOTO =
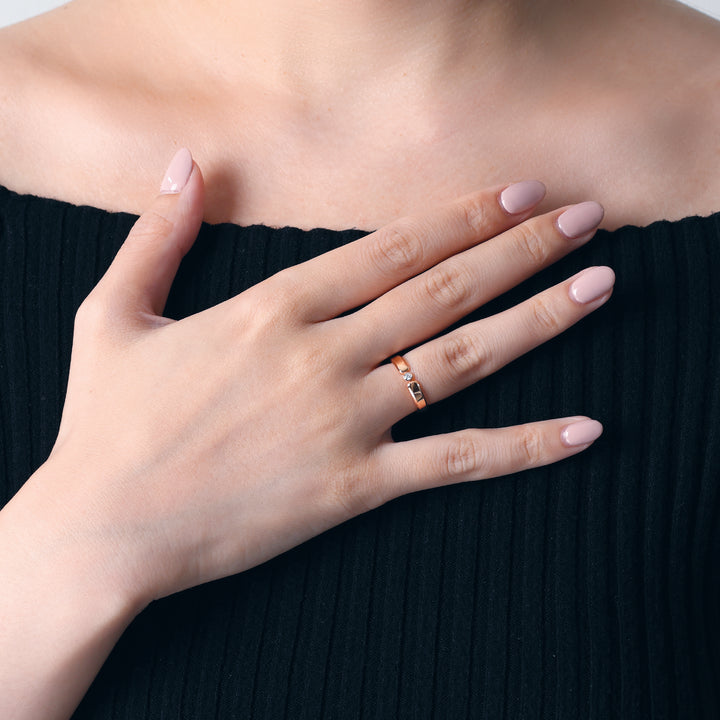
(413, 385)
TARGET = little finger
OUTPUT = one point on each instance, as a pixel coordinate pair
(476, 454)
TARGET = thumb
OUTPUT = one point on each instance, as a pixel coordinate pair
(138, 280)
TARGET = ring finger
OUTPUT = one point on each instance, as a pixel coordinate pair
(456, 360)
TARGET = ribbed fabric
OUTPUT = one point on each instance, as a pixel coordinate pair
(587, 589)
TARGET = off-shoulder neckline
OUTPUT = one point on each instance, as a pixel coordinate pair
(296, 230)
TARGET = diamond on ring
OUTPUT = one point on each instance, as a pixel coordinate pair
(413, 385)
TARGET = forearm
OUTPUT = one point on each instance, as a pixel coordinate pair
(60, 614)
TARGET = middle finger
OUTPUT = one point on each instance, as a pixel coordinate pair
(428, 303)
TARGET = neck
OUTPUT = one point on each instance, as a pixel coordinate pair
(311, 48)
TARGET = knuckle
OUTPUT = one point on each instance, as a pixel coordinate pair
(342, 493)
(152, 224)
(91, 315)
(532, 447)
(532, 245)
(316, 356)
(282, 296)
(464, 458)
(474, 213)
(353, 492)
(447, 285)
(463, 355)
(354, 497)
(397, 249)
(544, 318)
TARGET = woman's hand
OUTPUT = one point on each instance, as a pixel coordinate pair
(190, 450)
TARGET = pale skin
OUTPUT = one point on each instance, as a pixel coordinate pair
(120, 515)
(145, 494)
(383, 110)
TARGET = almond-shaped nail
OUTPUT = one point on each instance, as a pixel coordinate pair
(580, 219)
(178, 172)
(592, 284)
(522, 196)
(581, 433)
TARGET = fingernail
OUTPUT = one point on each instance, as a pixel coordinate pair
(592, 284)
(581, 433)
(522, 196)
(580, 219)
(178, 172)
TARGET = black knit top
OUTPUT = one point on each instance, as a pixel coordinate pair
(586, 589)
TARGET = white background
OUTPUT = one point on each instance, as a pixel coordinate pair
(14, 10)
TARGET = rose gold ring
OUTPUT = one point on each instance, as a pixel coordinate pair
(413, 385)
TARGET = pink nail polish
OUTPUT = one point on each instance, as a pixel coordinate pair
(581, 433)
(580, 219)
(178, 172)
(522, 196)
(592, 284)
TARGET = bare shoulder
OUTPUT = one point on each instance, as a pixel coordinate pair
(19, 79)
(678, 137)
(83, 120)
(39, 92)
(64, 110)
(685, 110)
(657, 145)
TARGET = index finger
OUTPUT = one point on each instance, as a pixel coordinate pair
(361, 271)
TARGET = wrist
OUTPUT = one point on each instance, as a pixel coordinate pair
(63, 609)
(49, 540)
